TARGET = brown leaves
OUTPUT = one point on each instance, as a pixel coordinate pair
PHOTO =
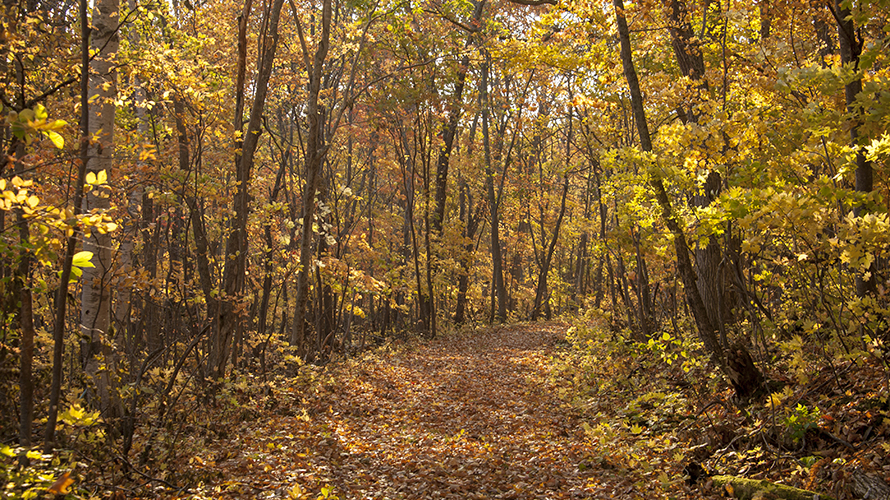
(485, 416)
(463, 417)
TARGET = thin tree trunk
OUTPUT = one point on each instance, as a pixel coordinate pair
(237, 243)
(644, 298)
(541, 288)
(471, 220)
(123, 303)
(270, 253)
(500, 289)
(26, 321)
(196, 220)
(61, 301)
(22, 285)
(316, 150)
(430, 306)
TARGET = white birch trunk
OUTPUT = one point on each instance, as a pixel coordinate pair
(95, 314)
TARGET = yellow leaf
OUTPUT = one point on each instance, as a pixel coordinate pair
(76, 412)
(57, 140)
(91, 178)
(40, 112)
(296, 492)
(33, 201)
(82, 259)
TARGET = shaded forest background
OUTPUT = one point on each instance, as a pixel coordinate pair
(201, 196)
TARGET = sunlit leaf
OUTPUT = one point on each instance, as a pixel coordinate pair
(82, 259)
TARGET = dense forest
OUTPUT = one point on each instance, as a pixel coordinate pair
(216, 211)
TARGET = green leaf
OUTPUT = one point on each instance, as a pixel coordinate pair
(76, 273)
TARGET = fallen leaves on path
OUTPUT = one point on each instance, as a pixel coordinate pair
(464, 417)
(515, 412)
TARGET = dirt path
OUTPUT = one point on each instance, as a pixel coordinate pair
(456, 418)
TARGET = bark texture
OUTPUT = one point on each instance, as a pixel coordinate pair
(95, 317)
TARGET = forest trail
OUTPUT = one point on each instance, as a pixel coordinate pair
(462, 417)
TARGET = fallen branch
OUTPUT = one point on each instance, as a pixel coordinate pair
(869, 487)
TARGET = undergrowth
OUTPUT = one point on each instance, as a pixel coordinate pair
(660, 408)
(178, 418)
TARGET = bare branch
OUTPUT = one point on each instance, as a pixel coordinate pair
(533, 3)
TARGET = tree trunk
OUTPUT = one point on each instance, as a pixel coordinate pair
(196, 219)
(123, 303)
(237, 243)
(500, 289)
(471, 218)
(270, 253)
(449, 130)
(315, 152)
(851, 49)
(22, 286)
(26, 321)
(541, 288)
(744, 376)
(430, 312)
(61, 301)
(712, 279)
(95, 318)
(644, 297)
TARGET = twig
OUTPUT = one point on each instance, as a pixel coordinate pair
(151, 479)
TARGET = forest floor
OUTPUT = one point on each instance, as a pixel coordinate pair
(472, 416)
(485, 414)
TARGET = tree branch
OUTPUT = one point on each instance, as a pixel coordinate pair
(533, 3)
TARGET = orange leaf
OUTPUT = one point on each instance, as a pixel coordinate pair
(62, 485)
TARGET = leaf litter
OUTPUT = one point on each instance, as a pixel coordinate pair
(492, 414)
